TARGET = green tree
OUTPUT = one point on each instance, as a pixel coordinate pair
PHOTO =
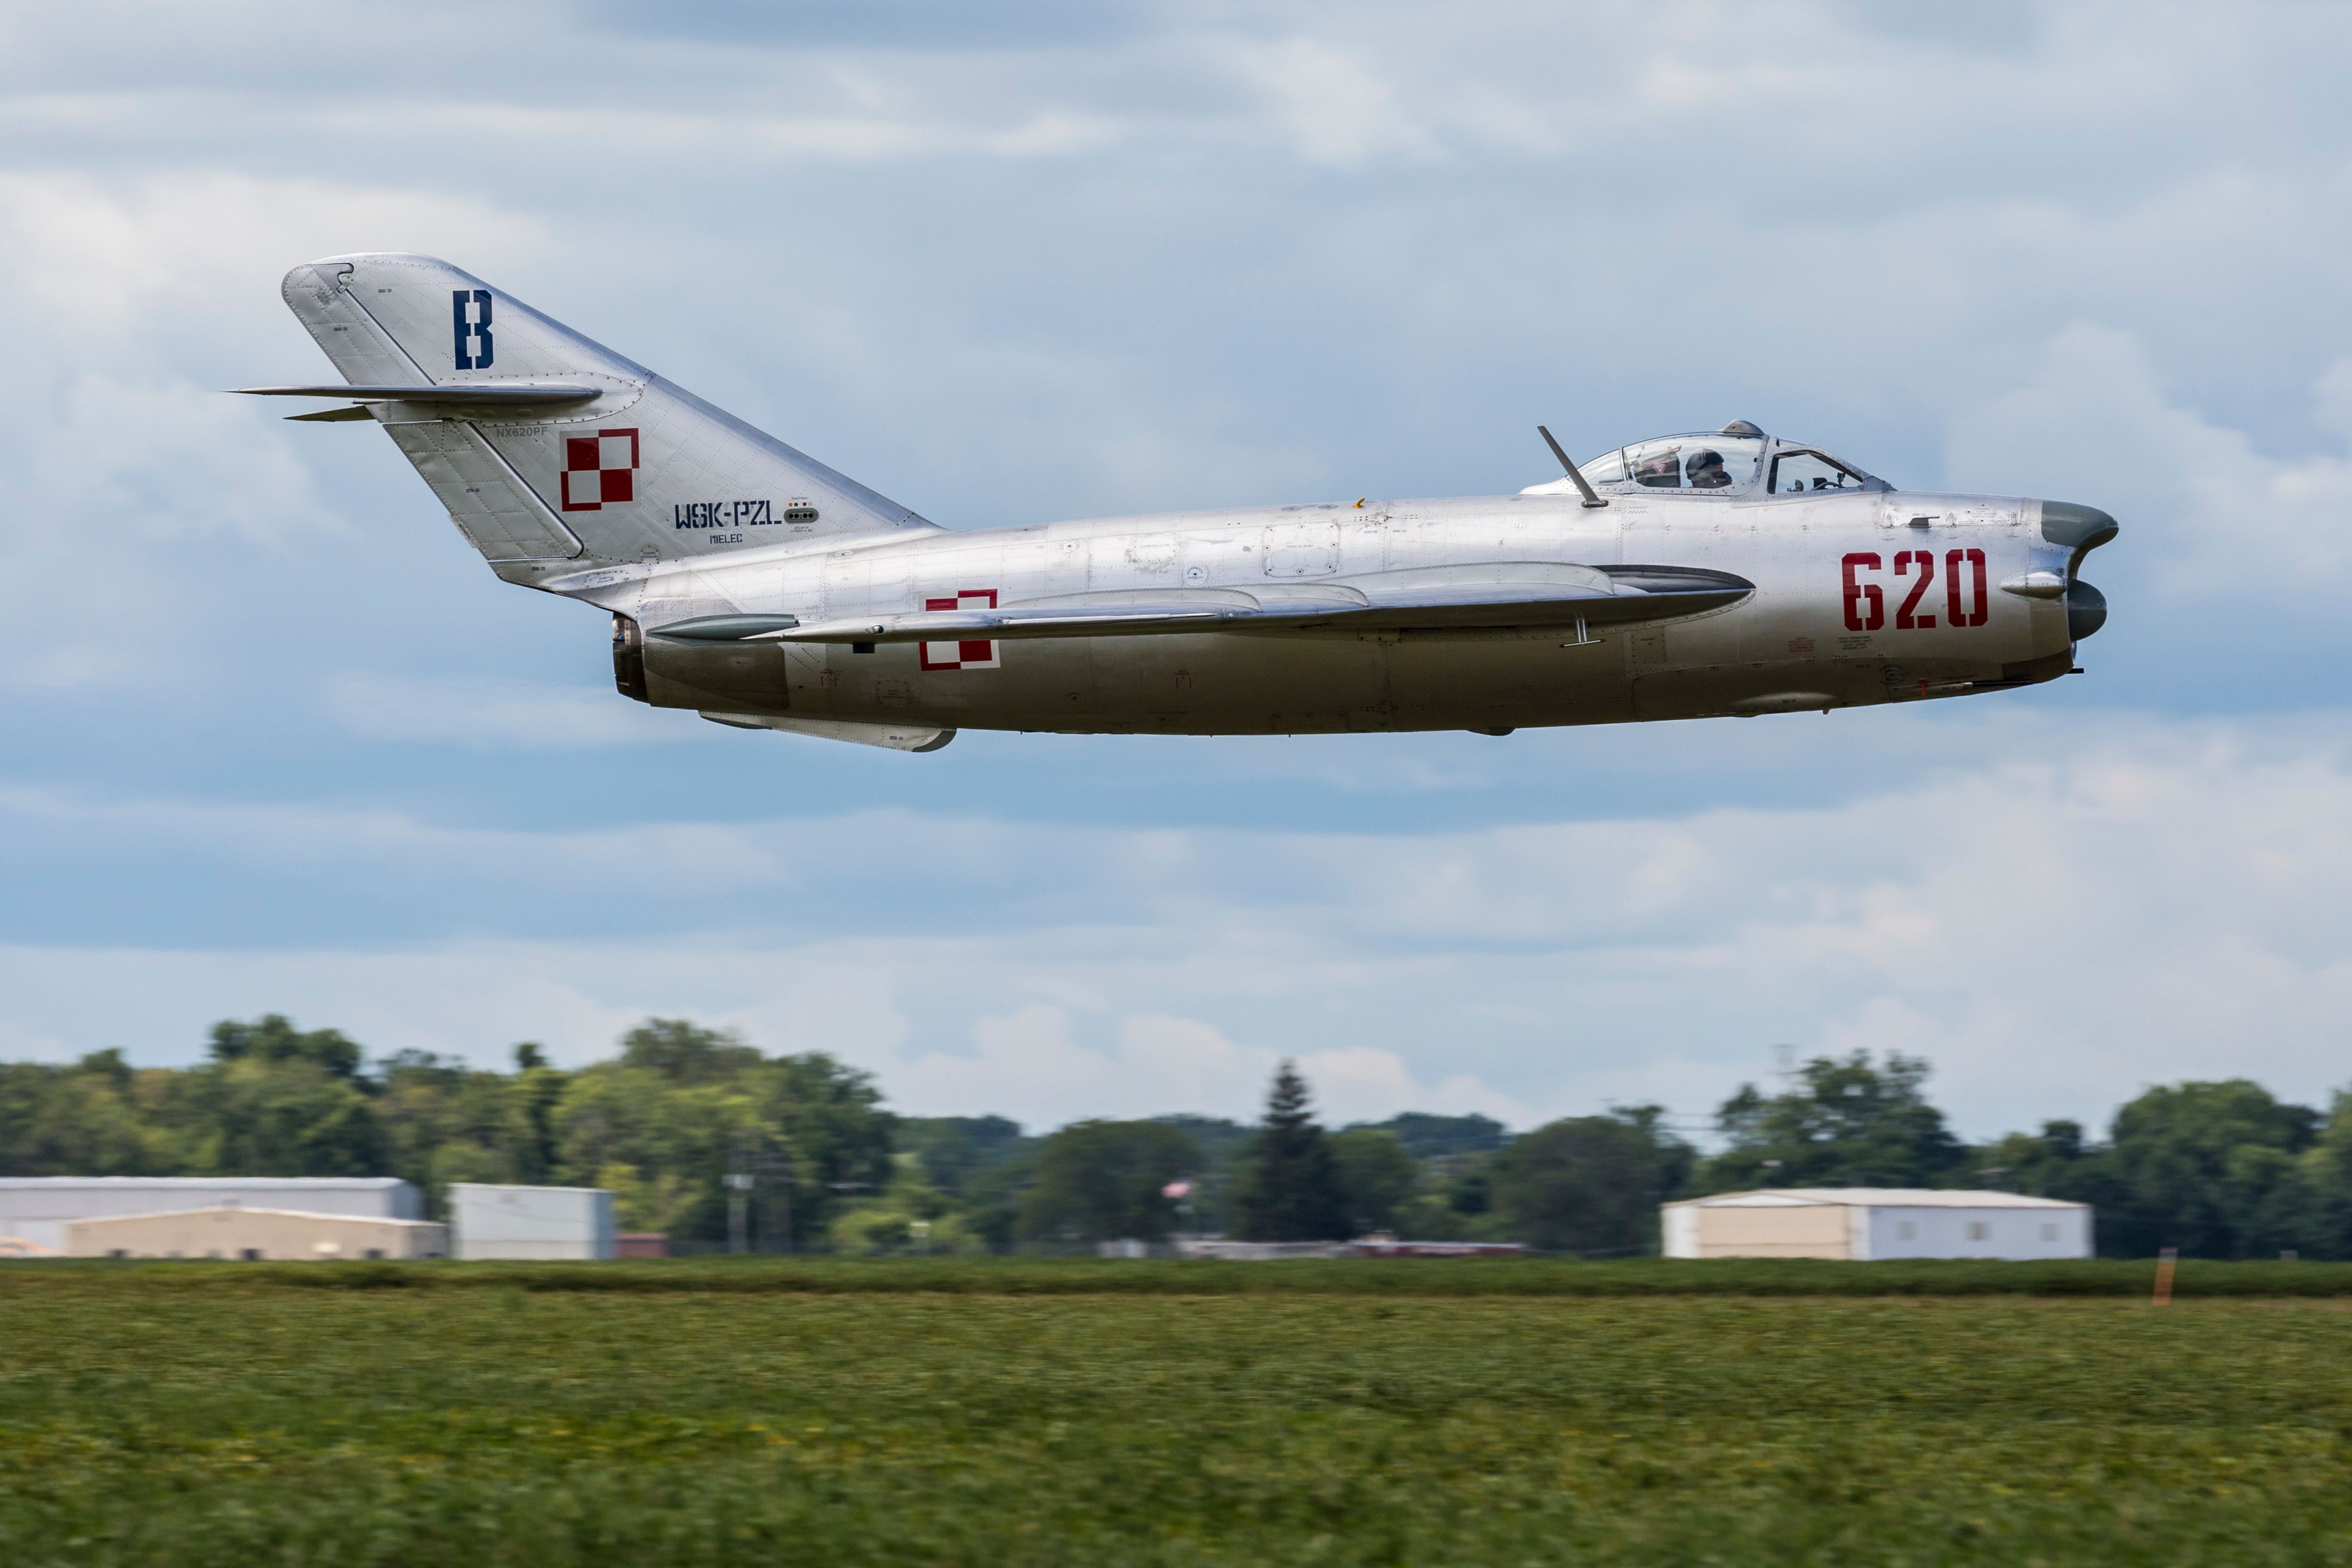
(1844, 1124)
(954, 1149)
(1376, 1174)
(661, 1203)
(990, 1202)
(273, 1038)
(1100, 1181)
(681, 1140)
(2060, 1161)
(825, 1124)
(1220, 1139)
(2327, 1178)
(93, 1118)
(1225, 1146)
(909, 1215)
(1591, 1185)
(445, 1122)
(274, 1116)
(1289, 1189)
(684, 1104)
(2217, 1170)
(537, 1090)
(684, 1053)
(1426, 1137)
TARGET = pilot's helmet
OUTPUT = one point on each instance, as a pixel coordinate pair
(1706, 470)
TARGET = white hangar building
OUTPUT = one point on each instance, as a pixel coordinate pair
(35, 1210)
(537, 1222)
(1865, 1223)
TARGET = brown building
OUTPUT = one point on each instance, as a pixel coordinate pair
(254, 1234)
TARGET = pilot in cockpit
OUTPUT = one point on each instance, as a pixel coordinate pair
(1704, 471)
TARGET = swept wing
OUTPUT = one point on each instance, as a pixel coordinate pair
(1490, 596)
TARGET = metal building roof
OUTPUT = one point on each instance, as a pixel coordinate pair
(241, 1210)
(1871, 1197)
(191, 1184)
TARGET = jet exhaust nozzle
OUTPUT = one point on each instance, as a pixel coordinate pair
(628, 657)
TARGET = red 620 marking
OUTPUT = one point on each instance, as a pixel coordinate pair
(1952, 607)
(1966, 601)
(1903, 619)
(1859, 593)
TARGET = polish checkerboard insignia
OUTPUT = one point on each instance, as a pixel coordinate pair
(599, 470)
(962, 655)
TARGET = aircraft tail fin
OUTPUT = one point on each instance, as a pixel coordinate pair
(547, 448)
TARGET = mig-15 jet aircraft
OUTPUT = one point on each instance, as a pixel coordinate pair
(1724, 572)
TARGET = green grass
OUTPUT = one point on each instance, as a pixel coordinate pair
(1086, 1413)
(1399, 1277)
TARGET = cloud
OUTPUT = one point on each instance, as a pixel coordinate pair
(2096, 422)
(2146, 904)
(1155, 1063)
(142, 501)
(494, 715)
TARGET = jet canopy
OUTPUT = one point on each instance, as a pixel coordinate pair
(1739, 460)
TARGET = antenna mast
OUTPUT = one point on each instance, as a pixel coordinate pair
(1591, 499)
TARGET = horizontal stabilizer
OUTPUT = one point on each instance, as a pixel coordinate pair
(462, 394)
(1491, 596)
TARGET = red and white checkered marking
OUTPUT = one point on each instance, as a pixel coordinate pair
(599, 470)
(977, 655)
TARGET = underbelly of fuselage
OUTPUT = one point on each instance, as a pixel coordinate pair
(1259, 684)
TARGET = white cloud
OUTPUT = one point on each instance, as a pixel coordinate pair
(141, 498)
(2095, 421)
(493, 715)
(2145, 905)
(1333, 107)
(1155, 1063)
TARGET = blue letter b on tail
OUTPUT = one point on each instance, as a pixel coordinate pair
(470, 341)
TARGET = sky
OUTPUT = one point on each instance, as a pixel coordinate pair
(276, 740)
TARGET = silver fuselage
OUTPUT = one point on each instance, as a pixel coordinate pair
(1839, 616)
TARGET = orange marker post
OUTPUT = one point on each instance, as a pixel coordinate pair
(2166, 1256)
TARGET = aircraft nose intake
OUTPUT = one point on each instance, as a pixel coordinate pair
(2086, 608)
(2075, 528)
(2080, 530)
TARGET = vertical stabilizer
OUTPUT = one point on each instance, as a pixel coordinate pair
(631, 468)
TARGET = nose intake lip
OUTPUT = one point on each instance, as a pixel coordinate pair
(2076, 527)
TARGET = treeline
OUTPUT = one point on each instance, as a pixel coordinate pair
(661, 1125)
(684, 1119)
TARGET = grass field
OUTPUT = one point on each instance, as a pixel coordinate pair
(1086, 1413)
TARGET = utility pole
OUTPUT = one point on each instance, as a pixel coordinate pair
(738, 1202)
(775, 1167)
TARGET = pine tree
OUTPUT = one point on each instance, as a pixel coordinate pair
(1290, 1191)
